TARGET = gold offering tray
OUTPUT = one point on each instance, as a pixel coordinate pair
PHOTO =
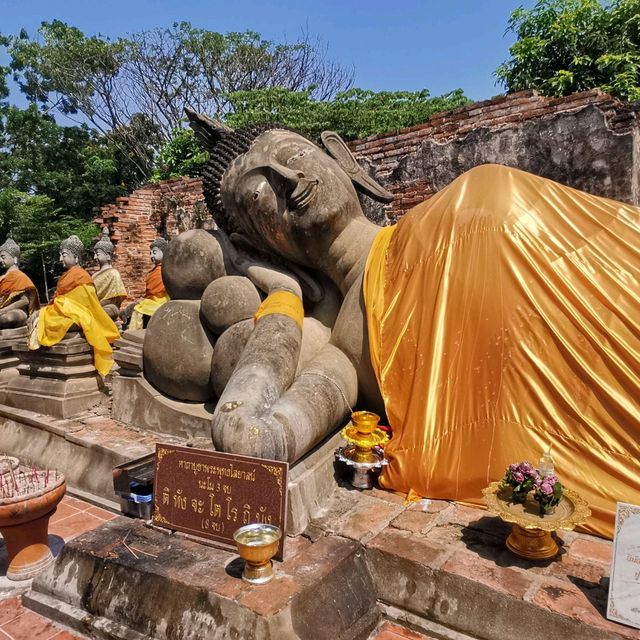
(571, 511)
(351, 434)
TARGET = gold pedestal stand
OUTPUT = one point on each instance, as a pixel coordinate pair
(530, 536)
(363, 453)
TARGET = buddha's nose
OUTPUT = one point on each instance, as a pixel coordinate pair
(289, 177)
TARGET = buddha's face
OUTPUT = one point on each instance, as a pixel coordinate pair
(102, 257)
(7, 259)
(68, 259)
(287, 193)
(156, 255)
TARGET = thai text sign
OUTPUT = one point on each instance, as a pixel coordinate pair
(212, 494)
(624, 585)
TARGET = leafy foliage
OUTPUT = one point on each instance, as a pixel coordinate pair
(564, 46)
(136, 88)
(38, 227)
(354, 113)
(181, 156)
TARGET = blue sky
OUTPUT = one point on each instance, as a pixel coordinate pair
(392, 45)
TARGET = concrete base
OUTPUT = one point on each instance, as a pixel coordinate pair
(184, 590)
(8, 359)
(59, 381)
(128, 353)
(137, 403)
(433, 566)
(98, 444)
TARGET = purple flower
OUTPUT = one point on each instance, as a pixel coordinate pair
(546, 488)
(518, 476)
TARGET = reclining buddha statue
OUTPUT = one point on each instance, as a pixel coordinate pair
(75, 304)
(18, 295)
(496, 319)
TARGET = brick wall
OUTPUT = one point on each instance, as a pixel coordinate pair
(585, 140)
(166, 209)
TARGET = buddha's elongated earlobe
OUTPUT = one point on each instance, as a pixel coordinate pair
(339, 151)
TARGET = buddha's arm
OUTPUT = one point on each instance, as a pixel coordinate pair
(19, 303)
(264, 412)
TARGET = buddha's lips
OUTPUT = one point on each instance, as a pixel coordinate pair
(303, 194)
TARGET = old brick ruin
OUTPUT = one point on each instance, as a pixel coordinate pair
(588, 140)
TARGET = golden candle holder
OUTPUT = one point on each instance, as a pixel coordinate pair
(530, 536)
(364, 452)
(257, 544)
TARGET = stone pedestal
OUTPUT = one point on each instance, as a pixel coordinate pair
(59, 381)
(127, 353)
(8, 358)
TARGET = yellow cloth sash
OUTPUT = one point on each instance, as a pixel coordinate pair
(109, 285)
(504, 316)
(79, 306)
(283, 302)
(146, 307)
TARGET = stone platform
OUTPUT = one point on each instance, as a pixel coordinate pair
(59, 381)
(8, 359)
(88, 446)
(435, 567)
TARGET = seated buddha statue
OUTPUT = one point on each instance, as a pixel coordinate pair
(18, 295)
(75, 304)
(109, 286)
(155, 294)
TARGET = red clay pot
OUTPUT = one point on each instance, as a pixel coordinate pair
(24, 524)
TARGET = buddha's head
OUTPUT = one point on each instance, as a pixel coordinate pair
(157, 250)
(9, 253)
(279, 189)
(71, 251)
(103, 249)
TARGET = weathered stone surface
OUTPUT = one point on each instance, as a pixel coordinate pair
(192, 260)
(59, 381)
(136, 402)
(229, 300)
(177, 352)
(226, 353)
(187, 590)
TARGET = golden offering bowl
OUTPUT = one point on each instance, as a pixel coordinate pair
(363, 432)
(257, 544)
(530, 536)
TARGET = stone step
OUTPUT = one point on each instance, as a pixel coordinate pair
(433, 567)
(174, 588)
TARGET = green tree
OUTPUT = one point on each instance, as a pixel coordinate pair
(38, 227)
(181, 156)
(354, 113)
(135, 89)
(70, 165)
(564, 46)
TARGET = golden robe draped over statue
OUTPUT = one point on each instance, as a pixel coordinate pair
(75, 302)
(155, 296)
(109, 285)
(15, 283)
(504, 318)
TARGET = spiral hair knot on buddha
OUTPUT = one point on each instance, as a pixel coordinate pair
(105, 244)
(11, 247)
(160, 243)
(73, 245)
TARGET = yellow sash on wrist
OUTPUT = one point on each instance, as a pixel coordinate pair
(283, 302)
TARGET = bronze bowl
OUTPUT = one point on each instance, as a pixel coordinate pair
(257, 544)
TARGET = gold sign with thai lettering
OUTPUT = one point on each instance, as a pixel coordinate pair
(212, 494)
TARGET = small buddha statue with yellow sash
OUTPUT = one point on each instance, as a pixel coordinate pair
(18, 295)
(155, 294)
(107, 280)
(75, 303)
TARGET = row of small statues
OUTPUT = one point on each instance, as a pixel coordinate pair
(90, 302)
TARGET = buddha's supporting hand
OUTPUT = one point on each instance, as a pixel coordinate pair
(264, 412)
